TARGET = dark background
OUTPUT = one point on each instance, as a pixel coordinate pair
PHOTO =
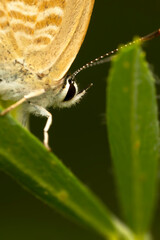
(78, 135)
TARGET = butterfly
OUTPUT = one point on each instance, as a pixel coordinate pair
(39, 40)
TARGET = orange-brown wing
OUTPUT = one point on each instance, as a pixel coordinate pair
(45, 34)
(72, 21)
(76, 22)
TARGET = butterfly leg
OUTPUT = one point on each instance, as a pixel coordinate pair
(24, 99)
(43, 112)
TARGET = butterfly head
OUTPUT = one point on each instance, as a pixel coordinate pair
(69, 94)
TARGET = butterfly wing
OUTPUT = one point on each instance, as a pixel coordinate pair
(8, 46)
(75, 39)
(45, 34)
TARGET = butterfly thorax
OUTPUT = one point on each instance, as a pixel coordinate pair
(17, 81)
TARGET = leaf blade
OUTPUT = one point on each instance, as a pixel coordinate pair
(134, 136)
(23, 157)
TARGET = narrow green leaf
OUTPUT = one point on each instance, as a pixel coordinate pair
(23, 157)
(134, 135)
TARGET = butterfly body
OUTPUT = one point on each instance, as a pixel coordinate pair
(16, 81)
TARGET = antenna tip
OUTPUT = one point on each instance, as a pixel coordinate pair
(151, 35)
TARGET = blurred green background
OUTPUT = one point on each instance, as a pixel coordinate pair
(78, 135)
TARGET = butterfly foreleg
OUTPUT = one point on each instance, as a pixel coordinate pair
(22, 100)
(43, 112)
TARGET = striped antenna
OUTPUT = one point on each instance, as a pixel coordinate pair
(107, 56)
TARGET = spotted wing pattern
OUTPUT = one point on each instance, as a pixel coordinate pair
(44, 34)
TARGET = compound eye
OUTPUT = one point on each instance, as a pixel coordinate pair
(71, 91)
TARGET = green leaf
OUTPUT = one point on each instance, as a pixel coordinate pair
(133, 129)
(23, 157)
